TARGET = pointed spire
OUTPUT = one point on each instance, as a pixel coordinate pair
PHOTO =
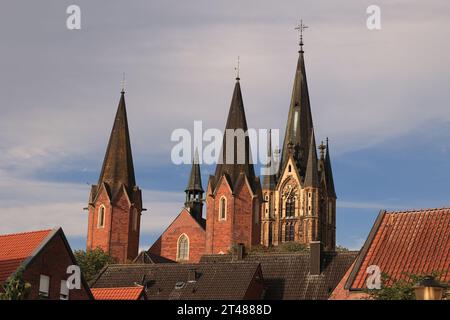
(312, 171)
(329, 174)
(118, 169)
(299, 123)
(236, 123)
(195, 179)
(269, 177)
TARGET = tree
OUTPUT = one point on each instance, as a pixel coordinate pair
(340, 248)
(15, 287)
(400, 289)
(91, 262)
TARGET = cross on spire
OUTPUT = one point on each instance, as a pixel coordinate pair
(123, 83)
(301, 27)
(237, 69)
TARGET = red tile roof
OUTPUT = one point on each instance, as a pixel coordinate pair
(406, 242)
(125, 293)
(15, 248)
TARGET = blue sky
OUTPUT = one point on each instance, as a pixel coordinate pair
(380, 96)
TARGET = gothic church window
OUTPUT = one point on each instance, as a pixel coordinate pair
(223, 209)
(101, 217)
(290, 206)
(289, 232)
(183, 248)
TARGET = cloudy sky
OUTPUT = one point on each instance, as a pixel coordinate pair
(382, 97)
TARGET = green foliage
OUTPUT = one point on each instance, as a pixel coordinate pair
(401, 289)
(340, 248)
(15, 287)
(91, 262)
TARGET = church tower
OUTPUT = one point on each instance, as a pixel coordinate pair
(115, 202)
(194, 191)
(301, 205)
(234, 192)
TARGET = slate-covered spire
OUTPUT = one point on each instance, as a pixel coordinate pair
(329, 174)
(312, 171)
(239, 161)
(299, 123)
(195, 178)
(118, 169)
(269, 179)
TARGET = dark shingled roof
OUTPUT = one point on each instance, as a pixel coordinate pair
(217, 281)
(118, 169)
(150, 258)
(299, 123)
(233, 170)
(286, 275)
(329, 174)
(195, 178)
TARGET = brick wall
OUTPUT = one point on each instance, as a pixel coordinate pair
(52, 261)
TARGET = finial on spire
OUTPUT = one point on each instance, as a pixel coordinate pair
(123, 83)
(322, 148)
(301, 27)
(237, 68)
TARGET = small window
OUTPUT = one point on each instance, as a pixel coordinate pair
(101, 217)
(64, 292)
(289, 168)
(223, 209)
(183, 248)
(44, 286)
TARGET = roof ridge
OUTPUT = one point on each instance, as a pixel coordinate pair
(24, 233)
(417, 210)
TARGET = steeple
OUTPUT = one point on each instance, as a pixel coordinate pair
(299, 123)
(269, 182)
(118, 169)
(312, 173)
(194, 190)
(238, 161)
(329, 174)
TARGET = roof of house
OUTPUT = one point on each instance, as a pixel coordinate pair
(124, 293)
(18, 247)
(286, 275)
(405, 242)
(149, 257)
(221, 281)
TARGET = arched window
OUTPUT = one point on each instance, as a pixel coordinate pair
(183, 248)
(289, 232)
(223, 208)
(290, 206)
(101, 217)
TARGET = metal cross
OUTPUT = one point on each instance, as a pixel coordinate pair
(123, 82)
(301, 27)
(237, 68)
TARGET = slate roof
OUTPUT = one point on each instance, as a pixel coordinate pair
(150, 258)
(286, 275)
(218, 281)
(414, 242)
(312, 171)
(125, 293)
(195, 178)
(16, 248)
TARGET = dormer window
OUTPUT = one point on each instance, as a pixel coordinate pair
(101, 217)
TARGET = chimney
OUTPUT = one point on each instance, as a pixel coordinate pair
(314, 258)
(192, 275)
(240, 250)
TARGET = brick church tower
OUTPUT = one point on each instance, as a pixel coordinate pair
(115, 203)
(234, 196)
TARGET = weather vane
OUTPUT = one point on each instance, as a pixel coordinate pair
(237, 68)
(301, 27)
(123, 83)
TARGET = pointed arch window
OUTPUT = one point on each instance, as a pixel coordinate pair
(223, 208)
(183, 248)
(101, 217)
(289, 232)
(290, 206)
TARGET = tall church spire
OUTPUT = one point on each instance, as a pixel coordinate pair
(312, 172)
(299, 124)
(329, 174)
(269, 178)
(237, 161)
(118, 166)
(194, 190)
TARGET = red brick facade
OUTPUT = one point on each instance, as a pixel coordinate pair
(118, 236)
(242, 222)
(167, 244)
(53, 261)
